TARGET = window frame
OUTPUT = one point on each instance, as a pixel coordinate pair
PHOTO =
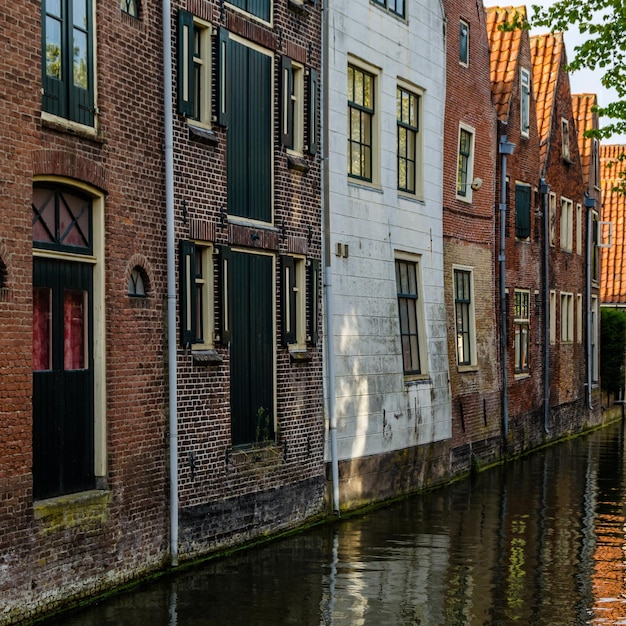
(521, 331)
(579, 318)
(594, 341)
(292, 105)
(386, 5)
(523, 213)
(525, 90)
(468, 305)
(293, 301)
(565, 140)
(371, 124)
(416, 347)
(130, 7)
(465, 164)
(464, 43)
(411, 130)
(579, 229)
(552, 316)
(566, 234)
(244, 7)
(567, 317)
(595, 247)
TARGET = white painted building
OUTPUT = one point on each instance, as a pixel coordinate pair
(386, 99)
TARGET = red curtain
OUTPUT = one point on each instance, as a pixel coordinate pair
(41, 329)
(74, 330)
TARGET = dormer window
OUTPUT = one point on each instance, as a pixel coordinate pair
(525, 102)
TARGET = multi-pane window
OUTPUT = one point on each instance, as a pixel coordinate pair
(393, 6)
(137, 283)
(525, 101)
(463, 309)
(465, 163)
(194, 68)
(196, 310)
(521, 326)
(552, 316)
(552, 218)
(567, 317)
(293, 300)
(407, 112)
(360, 122)
(567, 209)
(67, 64)
(579, 229)
(407, 278)
(130, 6)
(522, 211)
(292, 105)
(464, 43)
(565, 143)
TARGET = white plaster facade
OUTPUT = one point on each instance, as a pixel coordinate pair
(379, 409)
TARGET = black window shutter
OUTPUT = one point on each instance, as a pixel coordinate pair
(225, 294)
(313, 300)
(288, 299)
(313, 85)
(222, 77)
(286, 81)
(187, 274)
(522, 211)
(185, 63)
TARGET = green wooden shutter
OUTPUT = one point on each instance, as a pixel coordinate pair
(187, 277)
(186, 83)
(288, 299)
(286, 82)
(522, 211)
(223, 61)
(313, 300)
(312, 88)
(225, 294)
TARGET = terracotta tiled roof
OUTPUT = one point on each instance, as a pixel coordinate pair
(546, 51)
(582, 103)
(613, 268)
(504, 47)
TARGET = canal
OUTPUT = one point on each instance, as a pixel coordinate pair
(541, 540)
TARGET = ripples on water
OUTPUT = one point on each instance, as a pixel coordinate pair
(538, 541)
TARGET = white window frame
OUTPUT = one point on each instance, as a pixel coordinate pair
(300, 299)
(552, 316)
(579, 229)
(579, 318)
(524, 102)
(418, 155)
(205, 283)
(567, 226)
(567, 317)
(552, 218)
(464, 182)
(594, 339)
(471, 330)
(520, 323)
(463, 25)
(295, 126)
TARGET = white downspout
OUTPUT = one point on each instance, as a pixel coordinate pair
(168, 150)
(329, 336)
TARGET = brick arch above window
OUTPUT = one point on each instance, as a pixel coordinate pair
(69, 165)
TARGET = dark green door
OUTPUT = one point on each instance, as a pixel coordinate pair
(252, 348)
(63, 445)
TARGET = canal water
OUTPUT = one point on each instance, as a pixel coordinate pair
(541, 540)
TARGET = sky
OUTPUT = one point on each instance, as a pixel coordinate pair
(583, 81)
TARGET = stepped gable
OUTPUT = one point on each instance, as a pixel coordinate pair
(582, 109)
(612, 279)
(547, 54)
(504, 47)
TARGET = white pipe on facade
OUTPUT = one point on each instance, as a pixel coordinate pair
(168, 150)
(328, 292)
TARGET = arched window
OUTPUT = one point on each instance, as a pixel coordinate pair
(138, 283)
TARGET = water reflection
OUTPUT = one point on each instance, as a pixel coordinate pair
(540, 541)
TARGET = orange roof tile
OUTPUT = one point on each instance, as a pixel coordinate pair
(547, 53)
(613, 267)
(504, 47)
(582, 104)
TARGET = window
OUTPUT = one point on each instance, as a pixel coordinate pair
(579, 318)
(130, 6)
(595, 248)
(196, 301)
(552, 224)
(393, 6)
(525, 102)
(465, 165)
(579, 229)
(293, 300)
(409, 306)
(521, 326)
(360, 123)
(408, 112)
(292, 105)
(260, 8)
(566, 224)
(67, 64)
(595, 156)
(194, 68)
(522, 211)
(565, 144)
(464, 43)
(464, 314)
(567, 317)
(552, 316)
(594, 339)
(245, 107)
(137, 283)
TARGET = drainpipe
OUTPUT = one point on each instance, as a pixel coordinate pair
(168, 151)
(505, 148)
(328, 292)
(590, 204)
(545, 190)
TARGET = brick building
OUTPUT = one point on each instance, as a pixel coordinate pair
(469, 237)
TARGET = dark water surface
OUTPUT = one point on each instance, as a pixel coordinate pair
(539, 541)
